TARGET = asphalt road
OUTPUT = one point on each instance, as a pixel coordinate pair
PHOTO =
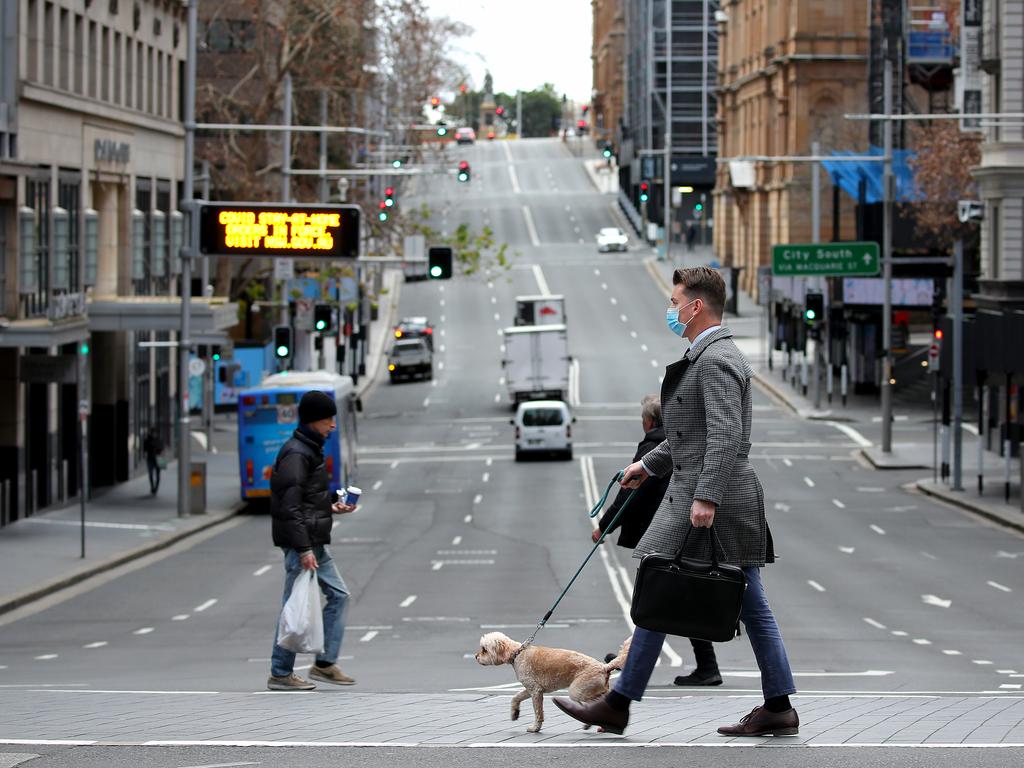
(454, 538)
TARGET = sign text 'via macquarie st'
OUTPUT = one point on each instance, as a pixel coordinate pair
(326, 232)
(824, 259)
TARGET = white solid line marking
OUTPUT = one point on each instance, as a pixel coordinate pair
(787, 462)
(377, 485)
(486, 477)
(478, 498)
(922, 641)
(997, 585)
(143, 631)
(530, 226)
(809, 482)
(815, 585)
(437, 565)
(852, 433)
(97, 644)
(407, 602)
(838, 503)
(46, 657)
(981, 662)
(180, 617)
(873, 623)
(261, 570)
(951, 652)
(368, 636)
(456, 541)
(208, 604)
(878, 529)
(467, 519)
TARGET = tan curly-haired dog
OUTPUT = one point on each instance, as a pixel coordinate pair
(545, 670)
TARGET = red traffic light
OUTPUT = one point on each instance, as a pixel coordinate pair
(463, 165)
(389, 192)
(435, 101)
(938, 334)
(581, 123)
(643, 186)
(499, 111)
(463, 88)
(383, 205)
(586, 108)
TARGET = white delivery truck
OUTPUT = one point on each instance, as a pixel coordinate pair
(540, 310)
(536, 362)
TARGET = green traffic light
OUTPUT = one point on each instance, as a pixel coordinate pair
(382, 216)
(435, 271)
(282, 351)
(607, 153)
(216, 356)
(699, 207)
(810, 314)
(442, 131)
(84, 349)
(643, 197)
(320, 325)
(396, 163)
(463, 177)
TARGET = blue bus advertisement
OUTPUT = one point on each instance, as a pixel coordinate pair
(269, 414)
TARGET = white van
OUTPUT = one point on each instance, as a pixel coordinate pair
(543, 426)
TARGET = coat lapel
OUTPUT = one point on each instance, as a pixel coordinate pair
(722, 333)
(673, 375)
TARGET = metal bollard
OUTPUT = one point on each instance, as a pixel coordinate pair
(844, 375)
(803, 373)
(1008, 454)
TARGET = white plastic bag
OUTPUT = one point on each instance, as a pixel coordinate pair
(301, 628)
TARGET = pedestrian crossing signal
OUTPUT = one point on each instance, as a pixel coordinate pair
(439, 263)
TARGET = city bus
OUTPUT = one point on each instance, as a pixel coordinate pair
(269, 414)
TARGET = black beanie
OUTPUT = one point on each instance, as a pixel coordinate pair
(316, 405)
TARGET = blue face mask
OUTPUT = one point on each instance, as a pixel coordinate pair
(672, 319)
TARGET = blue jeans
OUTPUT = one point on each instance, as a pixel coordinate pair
(282, 661)
(765, 639)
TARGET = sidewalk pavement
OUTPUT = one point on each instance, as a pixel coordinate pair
(42, 554)
(603, 175)
(351, 718)
(863, 412)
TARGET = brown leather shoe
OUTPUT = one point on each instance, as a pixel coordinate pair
(761, 722)
(597, 712)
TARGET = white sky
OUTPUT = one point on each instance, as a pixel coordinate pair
(525, 43)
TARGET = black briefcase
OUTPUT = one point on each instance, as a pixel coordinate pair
(687, 597)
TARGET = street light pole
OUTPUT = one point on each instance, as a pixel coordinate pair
(187, 254)
(666, 171)
(887, 202)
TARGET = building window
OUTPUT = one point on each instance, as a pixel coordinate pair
(105, 64)
(69, 198)
(150, 76)
(49, 44)
(79, 54)
(140, 76)
(118, 71)
(34, 301)
(32, 21)
(129, 71)
(64, 79)
(994, 243)
(144, 203)
(159, 83)
(170, 87)
(4, 213)
(94, 59)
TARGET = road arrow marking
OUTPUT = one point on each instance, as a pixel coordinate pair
(937, 601)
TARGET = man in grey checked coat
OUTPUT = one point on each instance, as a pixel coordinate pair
(706, 410)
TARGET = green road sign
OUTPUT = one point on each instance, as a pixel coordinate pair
(824, 259)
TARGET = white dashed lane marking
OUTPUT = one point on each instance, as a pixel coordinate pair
(97, 644)
(208, 604)
(815, 585)
(878, 529)
(1000, 587)
(407, 602)
(377, 485)
(369, 636)
(143, 631)
(261, 570)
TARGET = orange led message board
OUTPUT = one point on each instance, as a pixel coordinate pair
(276, 229)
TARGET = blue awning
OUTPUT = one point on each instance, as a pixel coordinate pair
(848, 174)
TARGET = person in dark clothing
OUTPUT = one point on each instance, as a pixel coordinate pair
(302, 513)
(152, 447)
(633, 524)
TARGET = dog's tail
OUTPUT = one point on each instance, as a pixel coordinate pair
(619, 661)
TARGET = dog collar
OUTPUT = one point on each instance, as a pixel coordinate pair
(515, 654)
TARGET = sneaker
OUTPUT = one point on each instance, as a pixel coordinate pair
(290, 682)
(331, 674)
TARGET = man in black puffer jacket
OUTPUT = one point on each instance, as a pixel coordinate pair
(301, 507)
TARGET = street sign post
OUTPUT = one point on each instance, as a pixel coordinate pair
(824, 259)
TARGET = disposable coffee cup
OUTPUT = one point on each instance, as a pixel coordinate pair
(352, 495)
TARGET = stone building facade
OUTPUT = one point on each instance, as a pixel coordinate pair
(608, 56)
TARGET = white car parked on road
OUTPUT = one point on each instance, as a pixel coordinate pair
(612, 239)
(543, 426)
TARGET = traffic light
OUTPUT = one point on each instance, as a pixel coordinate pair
(389, 197)
(586, 108)
(439, 263)
(442, 129)
(463, 88)
(464, 172)
(282, 341)
(499, 111)
(607, 151)
(215, 352)
(435, 101)
(382, 215)
(323, 315)
(814, 308)
(396, 163)
(83, 348)
(645, 189)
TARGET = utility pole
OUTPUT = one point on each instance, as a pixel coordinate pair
(322, 191)
(666, 171)
(819, 282)
(187, 254)
(957, 299)
(887, 201)
(286, 185)
(519, 114)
